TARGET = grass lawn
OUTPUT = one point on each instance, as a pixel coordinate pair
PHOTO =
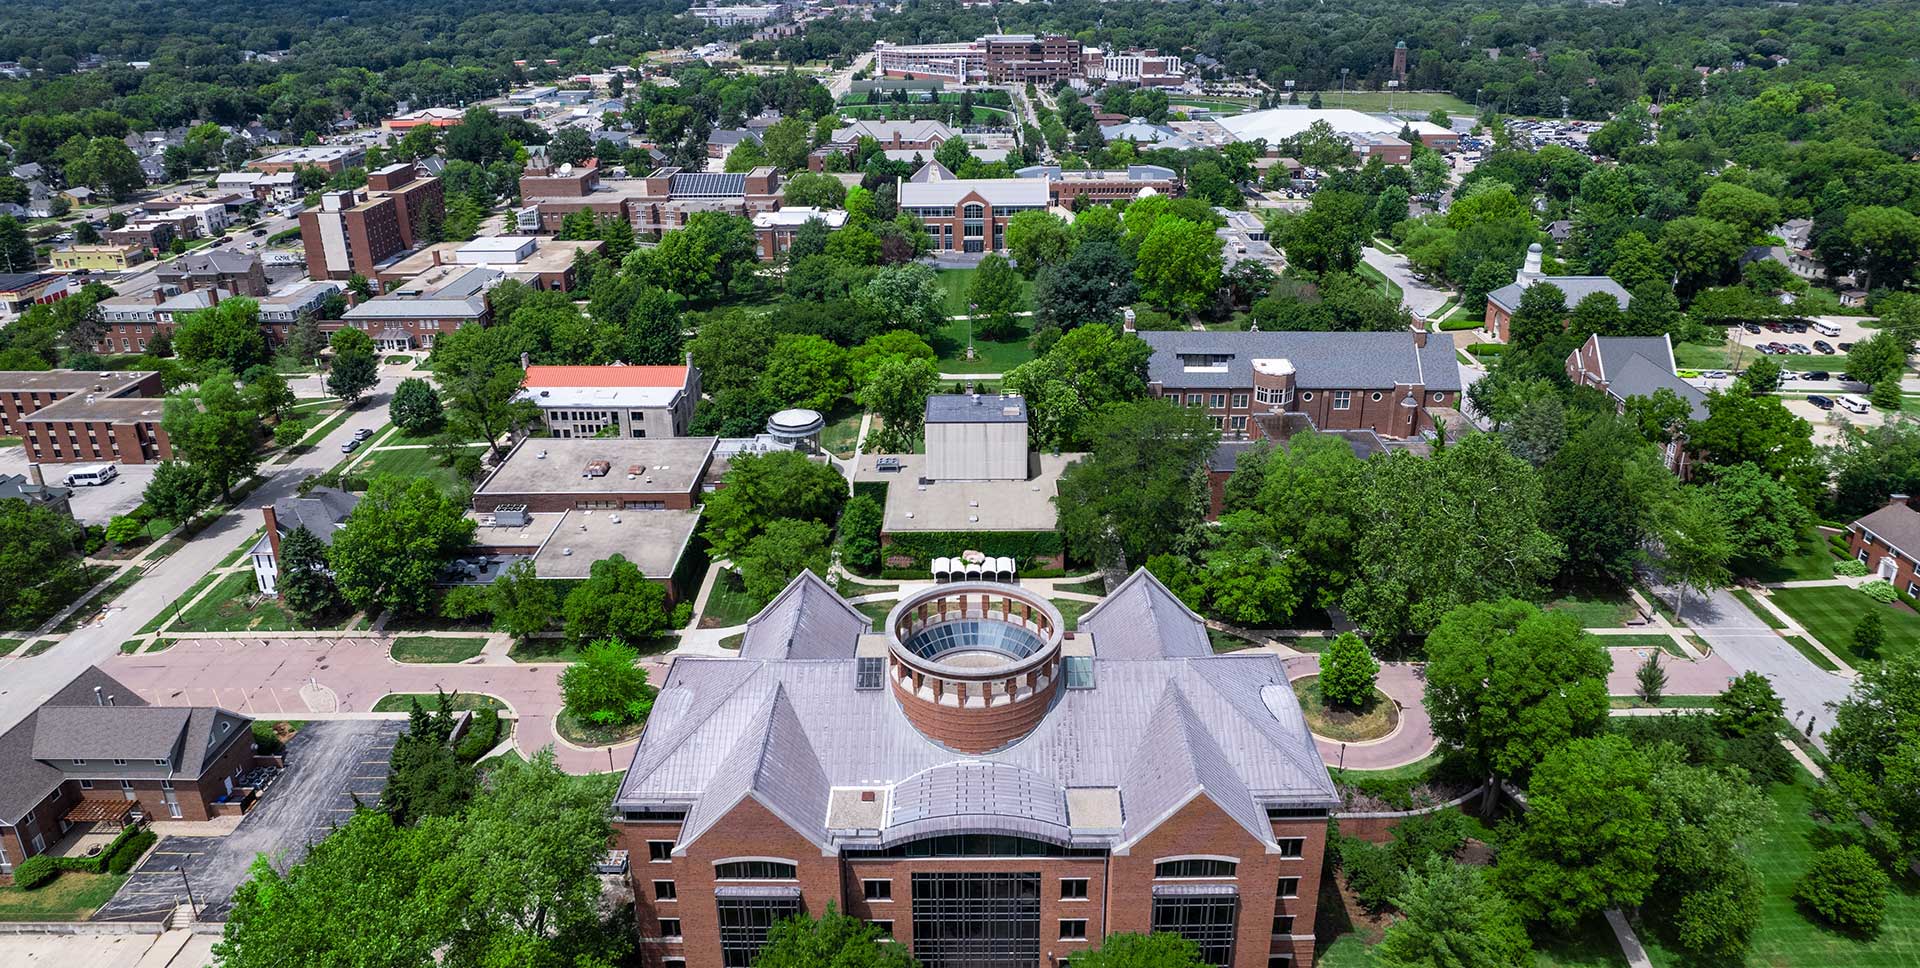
(432, 648)
(1403, 102)
(1228, 642)
(1092, 586)
(1369, 273)
(1753, 605)
(842, 431)
(72, 896)
(1666, 702)
(225, 609)
(990, 356)
(1814, 560)
(1813, 655)
(8, 645)
(877, 611)
(1071, 610)
(1700, 356)
(559, 650)
(1372, 721)
(1597, 608)
(1215, 104)
(1650, 640)
(1782, 851)
(1831, 611)
(400, 702)
(583, 733)
(729, 603)
(733, 641)
(422, 462)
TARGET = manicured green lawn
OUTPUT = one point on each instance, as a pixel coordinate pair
(1092, 586)
(842, 431)
(1814, 560)
(1593, 947)
(1071, 610)
(1700, 356)
(411, 463)
(8, 645)
(433, 648)
(1402, 102)
(1786, 937)
(225, 609)
(1831, 611)
(1388, 286)
(559, 650)
(878, 612)
(400, 702)
(1813, 655)
(1753, 605)
(1597, 608)
(1649, 640)
(729, 603)
(70, 897)
(990, 356)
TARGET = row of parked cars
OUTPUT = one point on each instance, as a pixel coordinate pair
(1777, 348)
(1845, 401)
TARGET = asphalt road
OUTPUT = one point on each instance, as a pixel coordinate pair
(1422, 299)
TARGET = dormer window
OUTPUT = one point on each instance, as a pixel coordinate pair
(79, 762)
(119, 762)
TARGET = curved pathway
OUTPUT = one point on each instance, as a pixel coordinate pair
(1412, 739)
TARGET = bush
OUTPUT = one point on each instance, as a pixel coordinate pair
(483, 733)
(34, 871)
(1697, 738)
(1845, 888)
(1371, 873)
(1762, 756)
(265, 741)
(1850, 568)
(289, 432)
(1416, 840)
(131, 850)
(1347, 672)
(1880, 590)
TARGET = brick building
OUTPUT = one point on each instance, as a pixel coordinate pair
(637, 401)
(105, 258)
(134, 321)
(775, 231)
(1105, 187)
(354, 231)
(543, 474)
(96, 753)
(236, 272)
(1387, 383)
(24, 392)
(969, 214)
(542, 263)
(1503, 302)
(985, 787)
(659, 202)
(85, 429)
(413, 314)
(332, 159)
(1887, 541)
(21, 291)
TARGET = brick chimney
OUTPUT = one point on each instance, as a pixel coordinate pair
(272, 518)
(1419, 334)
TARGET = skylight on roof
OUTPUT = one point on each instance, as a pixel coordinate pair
(867, 673)
(1079, 671)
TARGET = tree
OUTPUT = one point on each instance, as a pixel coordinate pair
(1161, 949)
(804, 371)
(1430, 173)
(354, 370)
(1507, 684)
(1875, 771)
(607, 686)
(416, 407)
(1845, 888)
(392, 547)
(814, 190)
(1452, 917)
(1702, 251)
(1748, 706)
(304, 582)
(784, 549)
(1764, 517)
(1541, 319)
(215, 429)
(523, 604)
(896, 393)
(16, 252)
(424, 777)
(787, 142)
(225, 335)
(1038, 239)
(1142, 486)
(1762, 375)
(1092, 286)
(1651, 679)
(864, 361)
(1707, 897)
(178, 491)
(1589, 840)
(1878, 358)
(1347, 672)
(105, 165)
(1869, 635)
(1749, 211)
(731, 350)
(1602, 490)
(763, 488)
(1695, 545)
(906, 297)
(835, 939)
(40, 564)
(1084, 371)
(1743, 428)
(860, 527)
(1426, 547)
(1179, 265)
(994, 296)
(484, 404)
(703, 259)
(616, 602)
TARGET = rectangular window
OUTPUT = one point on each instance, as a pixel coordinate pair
(1283, 924)
(1238, 423)
(115, 762)
(1291, 847)
(659, 851)
(1239, 401)
(1196, 399)
(665, 891)
(1217, 400)
(1289, 887)
(79, 762)
(886, 928)
(877, 890)
(1205, 920)
(1342, 399)
(86, 784)
(669, 927)
(1262, 395)
(755, 870)
(1195, 867)
(1073, 929)
(1280, 961)
(744, 922)
(868, 673)
(1073, 888)
(967, 919)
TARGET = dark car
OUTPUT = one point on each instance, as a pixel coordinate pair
(259, 232)
(1846, 347)
(1824, 403)
(1823, 346)
(1750, 327)
(1814, 375)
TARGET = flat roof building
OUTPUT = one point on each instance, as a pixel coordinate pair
(598, 474)
(332, 159)
(540, 262)
(642, 401)
(989, 789)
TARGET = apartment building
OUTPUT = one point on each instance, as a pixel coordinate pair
(984, 787)
(636, 401)
(238, 273)
(354, 231)
(23, 392)
(332, 159)
(1017, 58)
(658, 202)
(135, 321)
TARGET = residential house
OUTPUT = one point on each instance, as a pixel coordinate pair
(1625, 367)
(238, 273)
(322, 512)
(1887, 541)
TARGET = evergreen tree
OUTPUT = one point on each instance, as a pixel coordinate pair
(304, 583)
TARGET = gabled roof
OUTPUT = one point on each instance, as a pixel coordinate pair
(109, 732)
(931, 171)
(1576, 288)
(322, 511)
(1335, 361)
(1897, 524)
(1142, 619)
(1637, 366)
(1176, 760)
(805, 621)
(774, 764)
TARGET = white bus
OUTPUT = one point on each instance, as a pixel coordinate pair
(92, 476)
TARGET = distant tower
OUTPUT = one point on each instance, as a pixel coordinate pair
(1400, 61)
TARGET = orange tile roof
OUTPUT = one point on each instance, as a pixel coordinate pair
(606, 376)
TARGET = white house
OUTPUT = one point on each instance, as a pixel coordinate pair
(323, 511)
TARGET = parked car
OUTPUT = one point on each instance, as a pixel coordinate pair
(1823, 346)
(350, 446)
(1715, 375)
(362, 434)
(1814, 375)
(1766, 349)
(1824, 403)
(1802, 348)
(259, 232)
(1798, 327)
(1750, 327)
(1845, 347)
(1855, 404)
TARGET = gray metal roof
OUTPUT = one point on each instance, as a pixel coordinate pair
(1575, 287)
(321, 512)
(996, 192)
(976, 408)
(1640, 377)
(214, 260)
(109, 732)
(1615, 351)
(1344, 361)
(787, 732)
(1142, 619)
(1177, 759)
(805, 621)
(707, 183)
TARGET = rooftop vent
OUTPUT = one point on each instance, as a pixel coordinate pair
(597, 468)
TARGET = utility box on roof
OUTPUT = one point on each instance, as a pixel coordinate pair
(977, 437)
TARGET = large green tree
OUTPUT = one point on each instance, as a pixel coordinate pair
(1453, 917)
(1179, 265)
(896, 393)
(1875, 769)
(1142, 487)
(392, 547)
(305, 583)
(214, 428)
(616, 602)
(40, 565)
(1088, 369)
(1161, 949)
(355, 367)
(607, 686)
(1590, 839)
(225, 335)
(836, 940)
(763, 488)
(784, 549)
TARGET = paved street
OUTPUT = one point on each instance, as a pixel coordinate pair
(172, 949)
(1422, 299)
(26, 683)
(297, 677)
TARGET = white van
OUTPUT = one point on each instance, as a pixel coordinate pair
(92, 476)
(1853, 403)
(1825, 329)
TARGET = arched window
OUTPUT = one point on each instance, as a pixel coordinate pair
(755, 870)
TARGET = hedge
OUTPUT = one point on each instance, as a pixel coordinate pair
(34, 871)
(1026, 548)
(1487, 349)
(131, 850)
(98, 863)
(483, 733)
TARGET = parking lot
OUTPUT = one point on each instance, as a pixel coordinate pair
(91, 505)
(329, 765)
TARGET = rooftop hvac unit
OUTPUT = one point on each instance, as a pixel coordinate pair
(511, 516)
(597, 468)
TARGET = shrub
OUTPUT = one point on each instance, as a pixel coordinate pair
(1846, 888)
(1762, 756)
(287, 433)
(1347, 671)
(483, 733)
(265, 741)
(1850, 568)
(1419, 839)
(1371, 873)
(130, 851)
(1880, 591)
(34, 871)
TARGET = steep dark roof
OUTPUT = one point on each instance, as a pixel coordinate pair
(1897, 525)
(321, 511)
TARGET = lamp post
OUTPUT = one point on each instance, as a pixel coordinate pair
(972, 309)
(189, 885)
(1343, 86)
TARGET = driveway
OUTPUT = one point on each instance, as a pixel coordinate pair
(1412, 738)
(296, 677)
(329, 765)
(1422, 299)
(91, 505)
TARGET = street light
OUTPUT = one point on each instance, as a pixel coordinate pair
(189, 885)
